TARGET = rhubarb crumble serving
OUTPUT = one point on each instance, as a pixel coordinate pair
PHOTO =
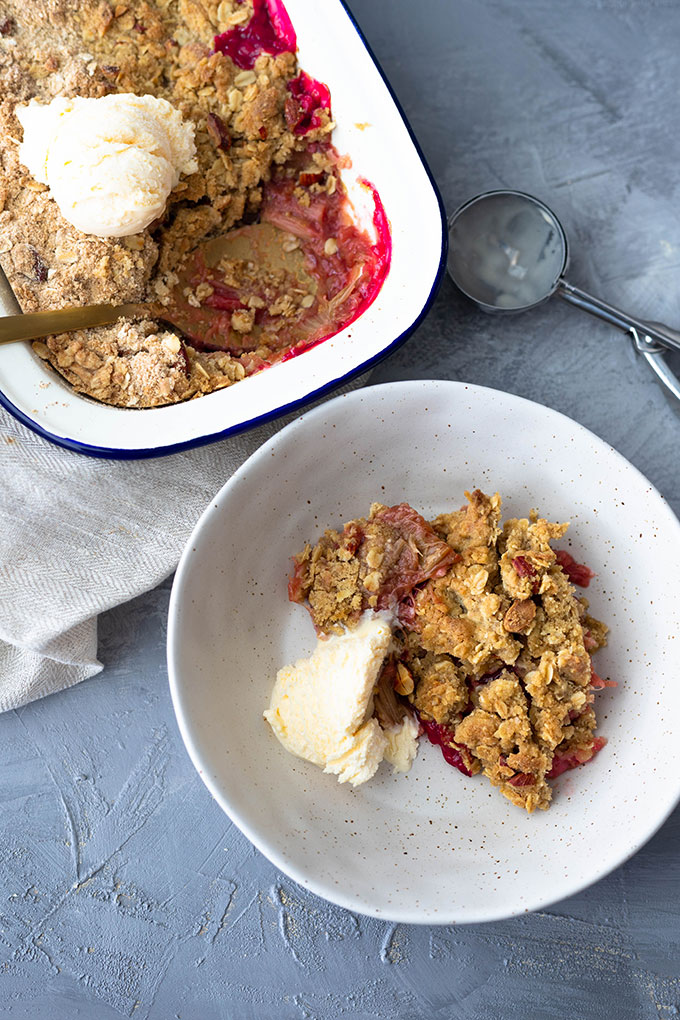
(490, 650)
(173, 153)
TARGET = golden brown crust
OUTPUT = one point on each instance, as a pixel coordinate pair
(90, 49)
(441, 690)
(495, 647)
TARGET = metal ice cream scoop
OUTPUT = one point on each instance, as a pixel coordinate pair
(508, 252)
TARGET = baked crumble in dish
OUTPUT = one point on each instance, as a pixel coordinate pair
(492, 646)
(267, 175)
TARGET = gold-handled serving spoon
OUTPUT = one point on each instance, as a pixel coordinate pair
(263, 243)
(33, 325)
(15, 325)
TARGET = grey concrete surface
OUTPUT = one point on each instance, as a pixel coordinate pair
(124, 890)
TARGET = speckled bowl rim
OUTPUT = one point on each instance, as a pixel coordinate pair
(179, 691)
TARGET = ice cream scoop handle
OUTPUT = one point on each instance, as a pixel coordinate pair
(651, 339)
(656, 331)
(656, 359)
(33, 325)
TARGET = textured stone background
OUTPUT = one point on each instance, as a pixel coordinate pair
(124, 890)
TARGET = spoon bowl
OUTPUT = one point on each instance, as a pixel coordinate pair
(208, 323)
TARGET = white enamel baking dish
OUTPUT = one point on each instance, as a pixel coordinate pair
(373, 131)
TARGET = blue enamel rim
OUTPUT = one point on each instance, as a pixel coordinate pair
(111, 453)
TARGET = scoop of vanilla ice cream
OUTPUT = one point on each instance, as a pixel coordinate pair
(110, 163)
(321, 707)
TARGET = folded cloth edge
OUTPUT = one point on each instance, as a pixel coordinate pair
(79, 536)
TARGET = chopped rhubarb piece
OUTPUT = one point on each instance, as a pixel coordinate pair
(354, 536)
(40, 270)
(410, 554)
(297, 582)
(406, 610)
(306, 178)
(269, 30)
(307, 97)
(225, 298)
(589, 641)
(563, 761)
(578, 573)
(443, 738)
(253, 363)
(184, 360)
(282, 209)
(217, 130)
(420, 554)
(522, 779)
(597, 682)
(523, 567)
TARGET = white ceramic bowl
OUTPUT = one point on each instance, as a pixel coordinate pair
(430, 846)
(373, 131)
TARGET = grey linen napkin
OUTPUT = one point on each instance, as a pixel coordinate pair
(79, 535)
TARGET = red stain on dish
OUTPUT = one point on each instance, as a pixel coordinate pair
(381, 249)
(269, 30)
(348, 278)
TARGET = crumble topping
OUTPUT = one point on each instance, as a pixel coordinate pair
(248, 123)
(137, 364)
(493, 645)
